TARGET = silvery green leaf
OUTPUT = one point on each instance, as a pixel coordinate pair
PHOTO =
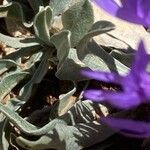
(70, 68)
(4, 139)
(93, 57)
(62, 43)
(2, 133)
(36, 78)
(5, 127)
(10, 81)
(124, 58)
(18, 42)
(64, 100)
(34, 58)
(42, 22)
(22, 52)
(59, 6)
(64, 103)
(30, 129)
(96, 58)
(26, 127)
(62, 137)
(15, 11)
(78, 19)
(35, 4)
(99, 27)
(6, 64)
(15, 118)
(83, 133)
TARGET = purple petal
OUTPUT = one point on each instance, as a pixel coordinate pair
(143, 11)
(108, 5)
(130, 17)
(141, 60)
(117, 99)
(130, 83)
(102, 76)
(145, 86)
(129, 127)
(95, 95)
(135, 11)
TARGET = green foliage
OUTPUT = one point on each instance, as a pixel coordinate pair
(69, 50)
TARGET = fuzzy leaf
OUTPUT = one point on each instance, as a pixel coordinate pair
(22, 52)
(125, 58)
(96, 58)
(15, 11)
(64, 103)
(92, 57)
(36, 78)
(64, 100)
(61, 41)
(4, 139)
(15, 118)
(5, 128)
(83, 133)
(70, 68)
(18, 42)
(6, 64)
(99, 27)
(59, 6)
(42, 22)
(78, 19)
(9, 82)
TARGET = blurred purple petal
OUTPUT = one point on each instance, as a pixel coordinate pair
(102, 76)
(143, 9)
(129, 83)
(129, 127)
(135, 11)
(145, 85)
(123, 100)
(95, 95)
(108, 5)
(117, 99)
(141, 60)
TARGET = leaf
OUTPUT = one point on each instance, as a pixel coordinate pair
(26, 127)
(96, 58)
(70, 68)
(4, 136)
(83, 133)
(59, 6)
(78, 19)
(15, 11)
(99, 27)
(18, 42)
(6, 64)
(5, 127)
(42, 22)
(62, 43)
(15, 118)
(64, 104)
(10, 81)
(124, 58)
(64, 101)
(36, 78)
(91, 57)
(22, 52)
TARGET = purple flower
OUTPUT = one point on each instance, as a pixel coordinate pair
(138, 129)
(135, 85)
(135, 11)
